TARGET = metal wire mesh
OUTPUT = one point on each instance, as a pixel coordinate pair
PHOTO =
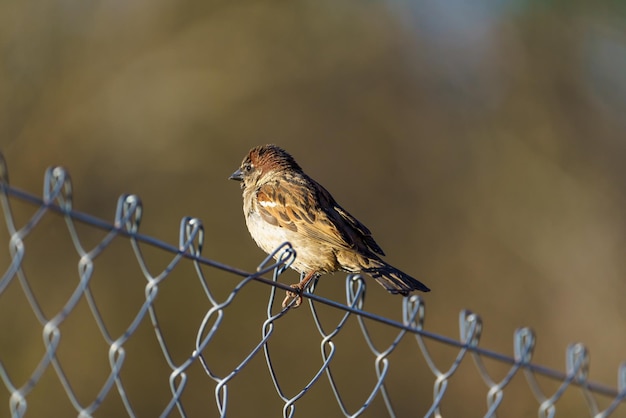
(57, 199)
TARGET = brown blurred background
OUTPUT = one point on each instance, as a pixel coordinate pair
(482, 142)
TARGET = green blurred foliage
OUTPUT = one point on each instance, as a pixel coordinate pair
(483, 145)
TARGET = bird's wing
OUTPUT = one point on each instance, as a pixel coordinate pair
(304, 206)
(362, 230)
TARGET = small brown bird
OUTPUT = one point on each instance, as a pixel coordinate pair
(281, 203)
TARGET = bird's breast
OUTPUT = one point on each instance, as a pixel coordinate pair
(266, 235)
(311, 255)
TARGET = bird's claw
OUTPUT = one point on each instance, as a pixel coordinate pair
(291, 295)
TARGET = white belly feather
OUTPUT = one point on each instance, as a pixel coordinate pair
(308, 257)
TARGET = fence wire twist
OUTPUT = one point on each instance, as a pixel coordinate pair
(57, 198)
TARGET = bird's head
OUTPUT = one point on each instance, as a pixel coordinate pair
(261, 161)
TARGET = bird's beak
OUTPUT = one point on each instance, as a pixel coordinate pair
(237, 175)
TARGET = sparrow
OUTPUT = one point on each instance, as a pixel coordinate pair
(282, 203)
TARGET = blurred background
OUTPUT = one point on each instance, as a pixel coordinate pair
(482, 142)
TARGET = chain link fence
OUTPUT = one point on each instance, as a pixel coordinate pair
(199, 376)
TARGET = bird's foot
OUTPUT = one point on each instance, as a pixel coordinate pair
(291, 295)
(299, 287)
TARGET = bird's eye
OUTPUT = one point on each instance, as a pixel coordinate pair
(247, 167)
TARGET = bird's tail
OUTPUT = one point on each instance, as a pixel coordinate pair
(392, 279)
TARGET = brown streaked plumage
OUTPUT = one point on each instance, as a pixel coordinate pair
(281, 203)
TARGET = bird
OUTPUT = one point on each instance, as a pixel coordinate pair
(281, 203)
